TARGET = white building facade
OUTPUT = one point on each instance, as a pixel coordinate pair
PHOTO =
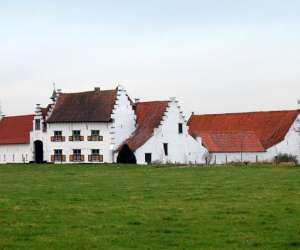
(89, 138)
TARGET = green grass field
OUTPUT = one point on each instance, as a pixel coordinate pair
(126, 207)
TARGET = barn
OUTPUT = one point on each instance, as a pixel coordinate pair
(15, 139)
(247, 137)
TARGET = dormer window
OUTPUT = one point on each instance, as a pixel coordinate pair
(37, 124)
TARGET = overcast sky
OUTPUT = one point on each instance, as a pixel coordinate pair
(214, 56)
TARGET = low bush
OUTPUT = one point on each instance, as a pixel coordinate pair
(286, 158)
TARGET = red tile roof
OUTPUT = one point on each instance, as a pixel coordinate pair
(91, 106)
(16, 129)
(149, 116)
(270, 128)
(242, 141)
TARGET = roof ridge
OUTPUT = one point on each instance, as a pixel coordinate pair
(86, 92)
(16, 116)
(250, 112)
(162, 101)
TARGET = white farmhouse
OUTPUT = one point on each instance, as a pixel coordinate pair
(15, 139)
(105, 126)
(161, 136)
(82, 127)
(248, 137)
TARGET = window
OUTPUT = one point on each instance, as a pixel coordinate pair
(57, 133)
(76, 133)
(95, 151)
(76, 151)
(57, 152)
(95, 133)
(57, 136)
(95, 156)
(44, 127)
(76, 155)
(148, 158)
(37, 124)
(180, 128)
(76, 136)
(166, 149)
(58, 156)
(95, 136)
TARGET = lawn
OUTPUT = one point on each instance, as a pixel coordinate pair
(128, 207)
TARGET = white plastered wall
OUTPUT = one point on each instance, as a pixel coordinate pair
(123, 118)
(15, 153)
(85, 146)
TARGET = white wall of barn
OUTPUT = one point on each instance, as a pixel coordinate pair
(223, 158)
(15, 153)
(182, 148)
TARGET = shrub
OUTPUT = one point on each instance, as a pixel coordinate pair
(282, 158)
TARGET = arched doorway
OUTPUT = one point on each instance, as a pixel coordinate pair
(38, 152)
(126, 156)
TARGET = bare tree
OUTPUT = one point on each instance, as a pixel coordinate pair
(208, 158)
